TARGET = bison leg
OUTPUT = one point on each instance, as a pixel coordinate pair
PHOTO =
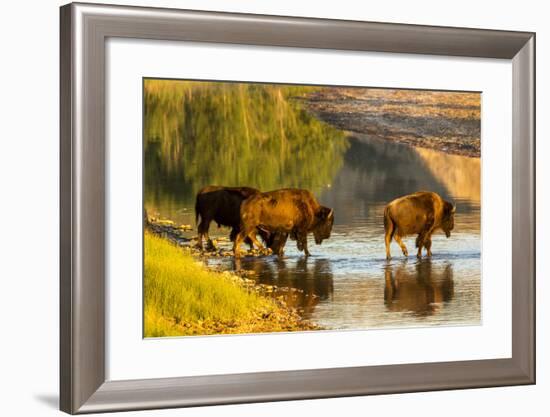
(202, 228)
(419, 253)
(428, 246)
(424, 236)
(249, 242)
(424, 240)
(389, 230)
(388, 237)
(274, 240)
(397, 238)
(241, 236)
(388, 243)
(210, 246)
(237, 244)
(233, 236)
(254, 239)
(301, 243)
(279, 242)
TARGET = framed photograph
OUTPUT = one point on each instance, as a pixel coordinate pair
(264, 208)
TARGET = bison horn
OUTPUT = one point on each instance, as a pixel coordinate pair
(330, 213)
(453, 210)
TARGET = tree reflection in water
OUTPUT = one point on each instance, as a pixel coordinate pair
(235, 134)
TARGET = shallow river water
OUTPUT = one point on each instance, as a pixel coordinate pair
(347, 282)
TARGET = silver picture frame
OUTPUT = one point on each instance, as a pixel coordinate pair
(84, 29)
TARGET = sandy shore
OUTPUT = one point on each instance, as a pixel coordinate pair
(445, 121)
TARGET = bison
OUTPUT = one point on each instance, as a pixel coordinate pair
(222, 205)
(418, 213)
(288, 211)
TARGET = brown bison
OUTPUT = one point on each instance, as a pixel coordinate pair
(288, 211)
(419, 213)
(222, 205)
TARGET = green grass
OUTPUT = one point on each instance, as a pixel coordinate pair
(183, 297)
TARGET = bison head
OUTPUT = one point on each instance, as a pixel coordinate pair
(448, 221)
(324, 219)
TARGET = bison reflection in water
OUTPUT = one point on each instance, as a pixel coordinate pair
(311, 280)
(291, 211)
(419, 213)
(420, 291)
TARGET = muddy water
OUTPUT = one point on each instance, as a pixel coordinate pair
(347, 283)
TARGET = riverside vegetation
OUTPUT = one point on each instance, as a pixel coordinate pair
(182, 297)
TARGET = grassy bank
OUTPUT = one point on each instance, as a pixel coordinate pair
(182, 297)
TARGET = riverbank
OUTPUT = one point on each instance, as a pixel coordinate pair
(183, 297)
(445, 121)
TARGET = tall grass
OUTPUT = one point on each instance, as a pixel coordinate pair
(180, 294)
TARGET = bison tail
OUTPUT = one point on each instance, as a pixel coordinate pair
(197, 213)
(389, 225)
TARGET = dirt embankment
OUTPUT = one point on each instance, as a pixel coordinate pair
(444, 121)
